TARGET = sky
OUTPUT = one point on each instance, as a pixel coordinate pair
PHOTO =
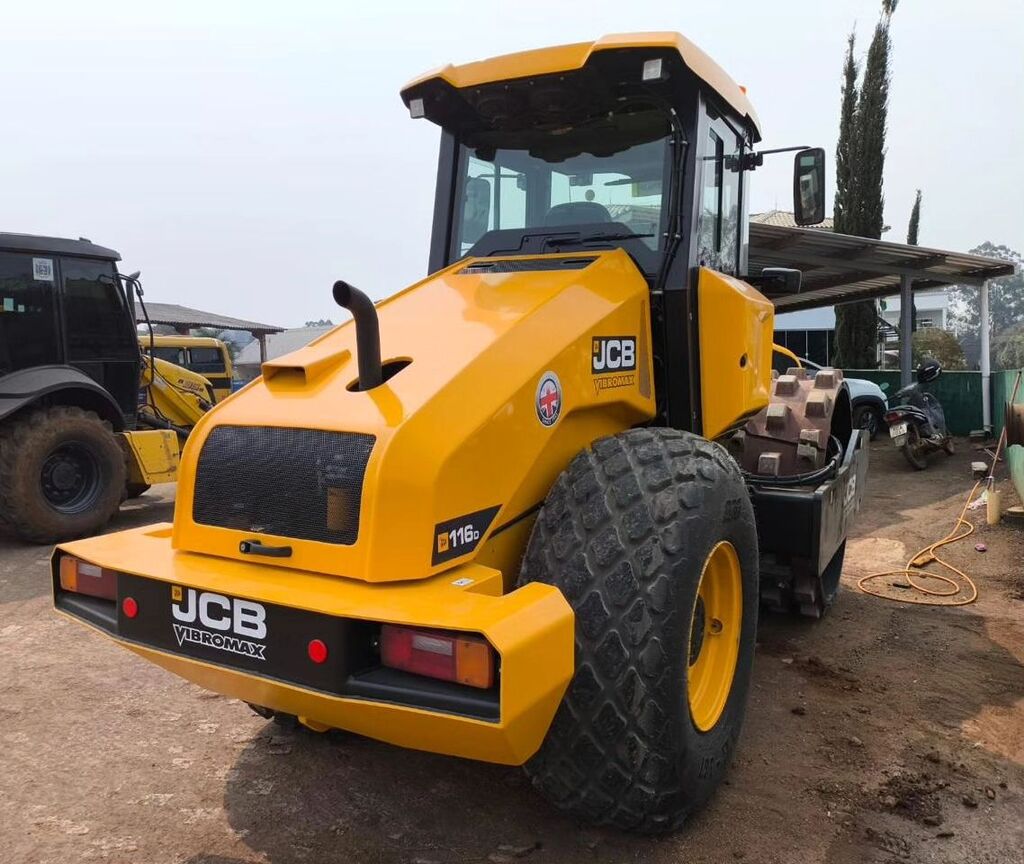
(244, 155)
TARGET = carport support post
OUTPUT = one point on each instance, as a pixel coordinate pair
(986, 366)
(262, 339)
(906, 329)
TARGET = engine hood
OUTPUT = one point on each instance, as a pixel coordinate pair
(506, 369)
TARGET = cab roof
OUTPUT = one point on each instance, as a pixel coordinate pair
(566, 58)
(55, 246)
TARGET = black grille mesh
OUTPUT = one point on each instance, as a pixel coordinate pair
(301, 483)
(527, 265)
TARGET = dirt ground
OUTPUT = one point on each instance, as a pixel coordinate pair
(885, 733)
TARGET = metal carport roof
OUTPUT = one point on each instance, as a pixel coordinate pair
(183, 317)
(838, 268)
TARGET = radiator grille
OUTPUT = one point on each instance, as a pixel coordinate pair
(301, 483)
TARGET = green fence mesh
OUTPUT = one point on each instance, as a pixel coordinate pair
(959, 393)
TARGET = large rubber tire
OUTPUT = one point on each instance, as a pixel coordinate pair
(868, 417)
(625, 533)
(26, 446)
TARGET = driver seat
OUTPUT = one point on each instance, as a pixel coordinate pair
(577, 213)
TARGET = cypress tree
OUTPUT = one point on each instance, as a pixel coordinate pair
(912, 228)
(869, 150)
(915, 221)
(859, 201)
(844, 147)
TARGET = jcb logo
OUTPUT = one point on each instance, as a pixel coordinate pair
(613, 354)
(217, 612)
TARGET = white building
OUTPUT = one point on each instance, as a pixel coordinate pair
(247, 363)
(932, 309)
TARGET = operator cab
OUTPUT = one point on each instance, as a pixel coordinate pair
(639, 142)
(62, 303)
(642, 143)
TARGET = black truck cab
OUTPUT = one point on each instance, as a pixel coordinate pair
(62, 304)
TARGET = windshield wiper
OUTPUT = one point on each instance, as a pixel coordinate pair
(595, 238)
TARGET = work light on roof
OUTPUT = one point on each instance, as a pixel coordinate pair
(652, 69)
(416, 109)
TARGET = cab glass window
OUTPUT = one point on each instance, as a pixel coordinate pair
(206, 361)
(602, 178)
(97, 320)
(171, 355)
(28, 325)
(720, 222)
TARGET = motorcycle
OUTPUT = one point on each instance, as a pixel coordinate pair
(917, 423)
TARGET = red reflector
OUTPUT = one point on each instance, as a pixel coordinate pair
(461, 657)
(317, 651)
(129, 607)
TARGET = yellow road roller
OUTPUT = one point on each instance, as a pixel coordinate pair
(526, 510)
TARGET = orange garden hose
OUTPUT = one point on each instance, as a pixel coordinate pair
(926, 556)
(916, 567)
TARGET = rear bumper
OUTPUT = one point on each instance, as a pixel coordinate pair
(531, 630)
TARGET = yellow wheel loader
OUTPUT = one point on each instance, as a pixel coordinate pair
(524, 511)
(84, 422)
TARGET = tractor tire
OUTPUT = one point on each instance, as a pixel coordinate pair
(650, 536)
(62, 474)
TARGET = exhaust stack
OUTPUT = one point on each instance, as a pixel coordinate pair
(364, 314)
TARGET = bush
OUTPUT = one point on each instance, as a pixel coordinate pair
(940, 345)
(1008, 349)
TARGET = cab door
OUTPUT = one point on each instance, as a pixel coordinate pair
(99, 330)
(29, 335)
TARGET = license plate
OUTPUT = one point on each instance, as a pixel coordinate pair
(242, 633)
(898, 430)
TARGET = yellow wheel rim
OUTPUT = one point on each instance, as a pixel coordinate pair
(714, 643)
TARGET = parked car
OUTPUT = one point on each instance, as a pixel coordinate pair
(867, 399)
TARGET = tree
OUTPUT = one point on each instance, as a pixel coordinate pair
(939, 344)
(1008, 349)
(1005, 302)
(860, 165)
(323, 322)
(844, 147)
(912, 229)
(871, 124)
(915, 221)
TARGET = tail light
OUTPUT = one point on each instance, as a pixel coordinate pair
(892, 416)
(81, 577)
(460, 657)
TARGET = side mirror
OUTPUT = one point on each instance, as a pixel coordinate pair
(809, 186)
(776, 281)
(476, 209)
